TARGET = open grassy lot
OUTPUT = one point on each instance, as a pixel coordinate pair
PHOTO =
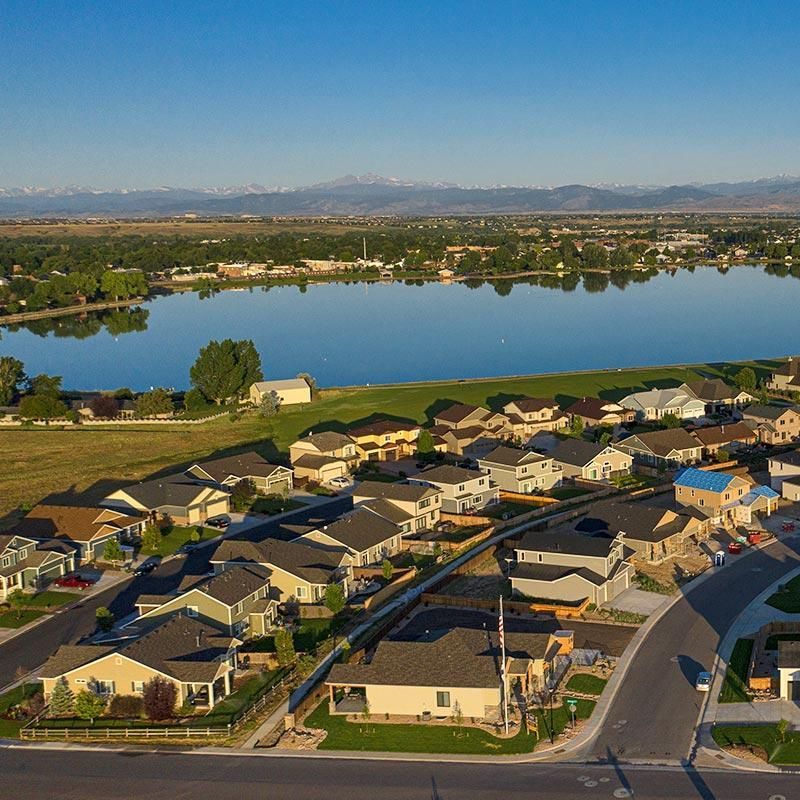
(60, 463)
(760, 737)
(586, 684)
(734, 689)
(177, 536)
(787, 598)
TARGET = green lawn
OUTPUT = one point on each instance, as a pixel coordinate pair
(9, 728)
(586, 684)
(177, 536)
(16, 619)
(312, 631)
(229, 710)
(274, 505)
(734, 688)
(648, 584)
(51, 599)
(762, 736)
(772, 641)
(381, 477)
(499, 510)
(568, 492)
(788, 598)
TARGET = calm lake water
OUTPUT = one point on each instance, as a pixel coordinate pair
(376, 333)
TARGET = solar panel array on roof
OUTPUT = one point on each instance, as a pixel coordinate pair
(701, 479)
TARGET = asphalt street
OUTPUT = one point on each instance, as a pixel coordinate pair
(654, 714)
(33, 647)
(37, 774)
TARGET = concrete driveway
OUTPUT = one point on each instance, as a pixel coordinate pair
(637, 601)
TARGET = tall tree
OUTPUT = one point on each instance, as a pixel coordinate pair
(746, 379)
(160, 696)
(225, 370)
(156, 402)
(334, 598)
(89, 705)
(62, 700)
(12, 374)
(284, 647)
(105, 406)
(425, 445)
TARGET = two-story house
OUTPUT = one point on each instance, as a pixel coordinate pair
(463, 490)
(723, 498)
(784, 474)
(321, 457)
(774, 424)
(590, 461)
(467, 430)
(296, 571)
(664, 449)
(236, 601)
(595, 413)
(568, 566)
(225, 473)
(731, 437)
(654, 404)
(385, 440)
(786, 378)
(531, 415)
(717, 395)
(413, 507)
(520, 471)
(30, 565)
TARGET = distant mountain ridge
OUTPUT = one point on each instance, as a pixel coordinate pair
(375, 195)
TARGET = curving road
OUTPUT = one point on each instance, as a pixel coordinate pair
(653, 716)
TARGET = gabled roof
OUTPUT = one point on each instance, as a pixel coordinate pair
(637, 520)
(768, 412)
(244, 465)
(280, 386)
(791, 367)
(383, 426)
(458, 412)
(448, 475)
(724, 434)
(529, 405)
(387, 509)
(712, 390)
(314, 461)
(360, 529)
(594, 408)
(326, 441)
(704, 480)
(76, 523)
(577, 452)
(402, 492)
(566, 541)
(511, 457)
(792, 458)
(662, 443)
(235, 583)
(550, 573)
(173, 490)
(664, 399)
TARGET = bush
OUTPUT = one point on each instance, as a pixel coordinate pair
(160, 696)
(126, 706)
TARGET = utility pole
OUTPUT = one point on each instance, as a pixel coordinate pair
(503, 667)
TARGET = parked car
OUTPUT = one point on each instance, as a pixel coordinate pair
(734, 548)
(146, 568)
(188, 547)
(218, 522)
(703, 682)
(340, 482)
(74, 582)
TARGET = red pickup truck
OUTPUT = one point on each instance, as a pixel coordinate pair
(74, 582)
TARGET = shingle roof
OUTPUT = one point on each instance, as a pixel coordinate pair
(788, 655)
(792, 458)
(77, 523)
(723, 434)
(593, 408)
(448, 474)
(172, 490)
(460, 411)
(512, 456)
(705, 480)
(554, 572)
(577, 452)
(243, 465)
(767, 412)
(403, 492)
(382, 426)
(69, 657)
(327, 441)
(712, 390)
(637, 520)
(528, 405)
(387, 510)
(662, 443)
(361, 529)
(312, 461)
(566, 541)
(235, 583)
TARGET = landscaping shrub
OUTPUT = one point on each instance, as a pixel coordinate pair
(126, 706)
(160, 696)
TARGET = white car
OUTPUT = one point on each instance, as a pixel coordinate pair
(339, 483)
(703, 682)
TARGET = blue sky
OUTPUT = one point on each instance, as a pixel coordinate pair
(139, 94)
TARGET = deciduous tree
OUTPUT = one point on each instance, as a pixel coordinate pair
(89, 705)
(160, 696)
(12, 374)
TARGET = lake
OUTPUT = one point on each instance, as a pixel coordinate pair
(358, 333)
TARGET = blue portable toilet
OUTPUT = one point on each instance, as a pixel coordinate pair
(719, 558)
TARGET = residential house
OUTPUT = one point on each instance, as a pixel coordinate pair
(789, 670)
(473, 442)
(652, 405)
(225, 473)
(463, 415)
(568, 566)
(654, 533)
(784, 474)
(85, 528)
(463, 490)
(385, 440)
(30, 565)
(589, 461)
(195, 657)
(236, 601)
(723, 498)
(364, 535)
(786, 378)
(446, 672)
(730, 437)
(595, 413)
(717, 395)
(83, 406)
(664, 449)
(774, 424)
(520, 471)
(413, 507)
(175, 497)
(323, 456)
(530, 415)
(297, 571)
(290, 392)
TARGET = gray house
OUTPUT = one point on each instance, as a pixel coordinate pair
(590, 461)
(520, 471)
(463, 489)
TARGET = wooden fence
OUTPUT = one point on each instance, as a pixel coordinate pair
(510, 606)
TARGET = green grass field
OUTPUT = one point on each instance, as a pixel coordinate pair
(586, 684)
(177, 536)
(734, 688)
(764, 737)
(59, 464)
(788, 598)
(51, 599)
(16, 619)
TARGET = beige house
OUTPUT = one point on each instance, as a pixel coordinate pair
(464, 415)
(236, 601)
(385, 440)
(785, 378)
(290, 392)
(296, 571)
(30, 565)
(654, 404)
(589, 461)
(789, 670)
(729, 437)
(717, 395)
(87, 529)
(594, 413)
(323, 456)
(463, 490)
(225, 473)
(472, 442)
(445, 673)
(568, 566)
(531, 415)
(784, 474)
(411, 506)
(664, 449)
(774, 424)
(195, 657)
(520, 471)
(365, 536)
(176, 497)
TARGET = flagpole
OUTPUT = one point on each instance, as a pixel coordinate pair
(503, 666)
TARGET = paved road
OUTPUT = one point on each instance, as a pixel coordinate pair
(655, 711)
(88, 775)
(32, 648)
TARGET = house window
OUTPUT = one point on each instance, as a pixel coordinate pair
(482, 481)
(104, 687)
(701, 502)
(424, 503)
(461, 487)
(443, 699)
(540, 558)
(301, 592)
(6, 561)
(137, 687)
(237, 608)
(191, 611)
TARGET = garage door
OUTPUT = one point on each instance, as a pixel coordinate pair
(794, 690)
(215, 509)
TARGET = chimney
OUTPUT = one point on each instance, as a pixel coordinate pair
(199, 638)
